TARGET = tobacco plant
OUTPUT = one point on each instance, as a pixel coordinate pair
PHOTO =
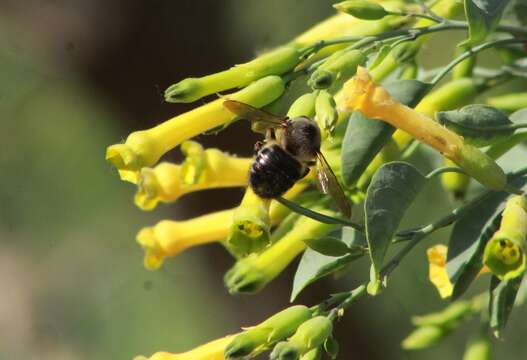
(376, 105)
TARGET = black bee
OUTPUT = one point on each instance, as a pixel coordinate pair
(291, 146)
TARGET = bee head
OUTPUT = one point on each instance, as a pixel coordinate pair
(302, 138)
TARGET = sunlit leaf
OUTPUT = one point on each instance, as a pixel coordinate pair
(483, 16)
(502, 296)
(328, 245)
(393, 188)
(314, 265)
(480, 125)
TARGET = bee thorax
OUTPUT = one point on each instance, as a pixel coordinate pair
(302, 138)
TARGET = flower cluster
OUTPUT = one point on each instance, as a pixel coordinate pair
(343, 63)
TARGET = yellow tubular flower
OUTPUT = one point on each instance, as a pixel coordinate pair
(437, 273)
(453, 94)
(201, 169)
(210, 351)
(250, 227)
(145, 147)
(252, 273)
(437, 270)
(375, 102)
(169, 238)
(505, 252)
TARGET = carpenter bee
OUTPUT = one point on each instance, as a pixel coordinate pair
(290, 147)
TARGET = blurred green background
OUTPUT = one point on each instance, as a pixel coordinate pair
(78, 75)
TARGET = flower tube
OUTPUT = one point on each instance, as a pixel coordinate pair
(252, 273)
(169, 238)
(505, 252)
(210, 351)
(144, 148)
(362, 94)
(201, 169)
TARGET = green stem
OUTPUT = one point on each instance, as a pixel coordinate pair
(325, 219)
(471, 52)
(445, 169)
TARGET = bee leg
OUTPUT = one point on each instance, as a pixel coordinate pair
(306, 171)
(269, 134)
(258, 146)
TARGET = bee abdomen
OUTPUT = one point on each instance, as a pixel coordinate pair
(274, 172)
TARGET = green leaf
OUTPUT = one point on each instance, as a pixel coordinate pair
(365, 137)
(502, 296)
(480, 125)
(483, 16)
(332, 347)
(314, 265)
(469, 237)
(519, 117)
(391, 191)
(328, 245)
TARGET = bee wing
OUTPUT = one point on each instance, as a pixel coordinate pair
(329, 184)
(261, 120)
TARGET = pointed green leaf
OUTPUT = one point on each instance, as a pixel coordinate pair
(392, 189)
(502, 296)
(328, 245)
(365, 137)
(469, 237)
(483, 16)
(314, 265)
(480, 125)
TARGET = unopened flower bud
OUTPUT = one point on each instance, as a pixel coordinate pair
(275, 62)
(362, 9)
(424, 337)
(454, 182)
(326, 113)
(303, 106)
(277, 327)
(338, 68)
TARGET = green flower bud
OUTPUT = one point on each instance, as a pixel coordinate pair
(284, 350)
(336, 69)
(478, 348)
(409, 71)
(251, 226)
(275, 62)
(326, 113)
(303, 106)
(277, 327)
(246, 343)
(362, 9)
(314, 354)
(505, 252)
(447, 317)
(454, 182)
(464, 68)
(509, 102)
(312, 333)
(424, 336)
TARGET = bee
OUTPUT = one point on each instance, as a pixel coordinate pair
(290, 148)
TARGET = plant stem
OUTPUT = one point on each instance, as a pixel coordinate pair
(445, 169)
(473, 51)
